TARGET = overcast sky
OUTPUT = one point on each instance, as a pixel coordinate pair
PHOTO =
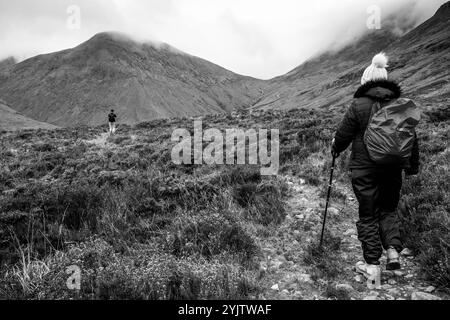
(260, 38)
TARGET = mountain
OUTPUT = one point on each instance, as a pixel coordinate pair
(6, 66)
(141, 81)
(419, 61)
(11, 120)
(145, 81)
(313, 84)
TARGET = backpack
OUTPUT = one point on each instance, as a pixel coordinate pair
(390, 134)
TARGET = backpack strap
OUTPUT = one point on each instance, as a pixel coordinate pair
(375, 108)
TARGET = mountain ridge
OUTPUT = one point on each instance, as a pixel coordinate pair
(11, 120)
(141, 81)
(329, 80)
(147, 80)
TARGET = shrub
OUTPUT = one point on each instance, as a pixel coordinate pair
(325, 261)
(266, 205)
(438, 115)
(232, 175)
(211, 235)
(43, 147)
(43, 165)
(77, 205)
(38, 215)
(424, 210)
(245, 194)
(6, 180)
(119, 139)
(334, 293)
(106, 274)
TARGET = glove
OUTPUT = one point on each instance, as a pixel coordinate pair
(334, 152)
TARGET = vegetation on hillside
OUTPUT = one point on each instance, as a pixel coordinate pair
(425, 207)
(140, 227)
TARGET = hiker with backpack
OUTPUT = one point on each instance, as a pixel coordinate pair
(381, 126)
(112, 122)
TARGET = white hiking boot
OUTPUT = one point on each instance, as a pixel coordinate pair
(371, 272)
(393, 259)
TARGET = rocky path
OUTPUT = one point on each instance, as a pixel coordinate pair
(291, 268)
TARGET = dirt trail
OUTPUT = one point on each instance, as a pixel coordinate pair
(286, 275)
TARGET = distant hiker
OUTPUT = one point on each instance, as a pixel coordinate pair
(381, 126)
(112, 122)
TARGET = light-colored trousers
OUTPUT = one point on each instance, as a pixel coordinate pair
(112, 127)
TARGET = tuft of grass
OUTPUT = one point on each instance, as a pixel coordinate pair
(425, 209)
(324, 261)
(332, 292)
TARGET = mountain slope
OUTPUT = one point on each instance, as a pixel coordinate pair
(140, 81)
(419, 61)
(11, 120)
(148, 81)
(7, 64)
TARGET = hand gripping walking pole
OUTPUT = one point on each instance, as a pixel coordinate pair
(328, 200)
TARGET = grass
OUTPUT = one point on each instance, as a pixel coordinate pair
(425, 205)
(140, 227)
(325, 262)
(29, 270)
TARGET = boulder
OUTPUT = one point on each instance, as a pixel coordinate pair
(392, 282)
(394, 292)
(345, 288)
(304, 278)
(275, 287)
(333, 211)
(358, 278)
(423, 296)
(430, 289)
(407, 253)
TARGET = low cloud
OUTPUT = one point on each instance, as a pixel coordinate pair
(260, 38)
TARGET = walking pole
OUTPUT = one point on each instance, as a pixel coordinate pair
(328, 200)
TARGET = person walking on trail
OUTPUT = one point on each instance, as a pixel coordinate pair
(376, 170)
(112, 122)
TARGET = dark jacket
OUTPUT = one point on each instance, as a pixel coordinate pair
(356, 120)
(112, 117)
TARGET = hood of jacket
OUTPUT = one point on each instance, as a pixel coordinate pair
(379, 90)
